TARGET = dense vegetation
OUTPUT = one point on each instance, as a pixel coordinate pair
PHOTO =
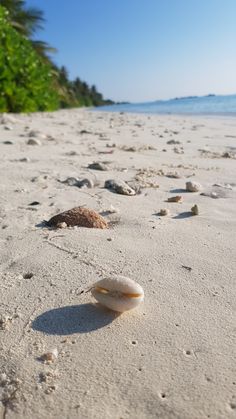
(29, 80)
(25, 81)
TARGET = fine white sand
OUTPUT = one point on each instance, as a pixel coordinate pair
(173, 356)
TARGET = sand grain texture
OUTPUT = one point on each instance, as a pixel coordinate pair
(173, 357)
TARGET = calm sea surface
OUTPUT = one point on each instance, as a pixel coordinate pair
(207, 105)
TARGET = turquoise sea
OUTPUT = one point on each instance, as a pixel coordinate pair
(204, 105)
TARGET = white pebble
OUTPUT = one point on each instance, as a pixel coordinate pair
(193, 187)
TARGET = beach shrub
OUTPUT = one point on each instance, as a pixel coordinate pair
(26, 82)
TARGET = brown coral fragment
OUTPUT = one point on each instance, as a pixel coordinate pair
(177, 198)
(78, 216)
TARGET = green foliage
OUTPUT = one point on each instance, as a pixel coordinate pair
(26, 82)
(26, 20)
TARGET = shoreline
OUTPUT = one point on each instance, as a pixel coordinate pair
(200, 115)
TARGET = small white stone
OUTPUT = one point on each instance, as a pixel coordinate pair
(193, 187)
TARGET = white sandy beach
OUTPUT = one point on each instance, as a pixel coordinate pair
(173, 356)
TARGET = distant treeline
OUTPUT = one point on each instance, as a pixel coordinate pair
(29, 79)
(78, 92)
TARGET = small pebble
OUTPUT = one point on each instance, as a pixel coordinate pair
(110, 210)
(85, 183)
(38, 134)
(177, 198)
(193, 187)
(71, 153)
(71, 181)
(28, 275)
(49, 357)
(98, 166)
(173, 175)
(170, 142)
(226, 155)
(24, 159)
(34, 203)
(8, 142)
(164, 211)
(178, 150)
(33, 141)
(195, 210)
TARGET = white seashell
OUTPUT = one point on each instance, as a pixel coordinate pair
(118, 293)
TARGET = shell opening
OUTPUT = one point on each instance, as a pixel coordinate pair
(106, 291)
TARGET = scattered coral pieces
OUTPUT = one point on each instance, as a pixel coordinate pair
(137, 148)
(120, 187)
(78, 216)
(5, 321)
(80, 183)
(216, 155)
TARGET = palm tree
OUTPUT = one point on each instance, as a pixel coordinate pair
(27, 20)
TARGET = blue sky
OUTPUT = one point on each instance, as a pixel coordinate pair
(143, 50)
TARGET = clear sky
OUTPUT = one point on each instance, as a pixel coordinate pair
(143, 50)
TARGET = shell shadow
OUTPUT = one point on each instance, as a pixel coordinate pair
(83, 318)
(42, 224)
(185, 214)
(179, 190)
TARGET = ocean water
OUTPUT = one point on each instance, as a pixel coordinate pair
(205, 105)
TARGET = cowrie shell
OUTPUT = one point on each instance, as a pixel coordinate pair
(118, 293)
